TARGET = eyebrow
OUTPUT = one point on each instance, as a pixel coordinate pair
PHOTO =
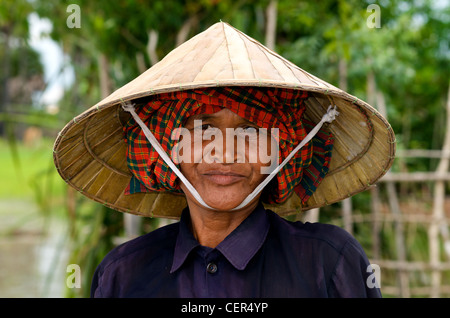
(196, 117)
(200, 116)
(211, 116)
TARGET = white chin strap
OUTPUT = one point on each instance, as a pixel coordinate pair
(327, 118)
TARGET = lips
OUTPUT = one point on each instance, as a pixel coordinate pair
(223, 177)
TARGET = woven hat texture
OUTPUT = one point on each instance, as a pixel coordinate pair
(90, 151)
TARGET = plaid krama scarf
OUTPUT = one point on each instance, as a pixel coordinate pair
(265, 107)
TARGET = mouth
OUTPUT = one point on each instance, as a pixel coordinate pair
(223, 177)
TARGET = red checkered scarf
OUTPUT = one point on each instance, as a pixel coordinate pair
(265, 107)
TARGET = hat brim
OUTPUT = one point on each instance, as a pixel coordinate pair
(90, 151)
(90, 155)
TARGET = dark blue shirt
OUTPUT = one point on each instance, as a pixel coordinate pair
(265, 256)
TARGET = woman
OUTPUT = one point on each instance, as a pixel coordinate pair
(227, 244)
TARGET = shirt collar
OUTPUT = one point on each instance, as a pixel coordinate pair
(238, 247)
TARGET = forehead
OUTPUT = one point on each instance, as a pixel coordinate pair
(224, 115)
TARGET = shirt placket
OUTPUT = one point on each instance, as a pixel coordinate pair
(212, 272)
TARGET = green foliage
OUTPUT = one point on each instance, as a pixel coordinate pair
(31, 174)
(408, 57)
(93, 230)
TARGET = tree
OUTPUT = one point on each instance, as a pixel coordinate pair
(21, 72)
(402, 65)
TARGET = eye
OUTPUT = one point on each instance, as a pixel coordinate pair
(250, 130)
(209, 131)
(206, 126)
(247, 132)
(203, 127)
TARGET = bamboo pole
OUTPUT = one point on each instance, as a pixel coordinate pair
(403, 277)
(404, 218)
(410, 266)
(377, 98)
(376, 221)
(271, 26)
(415, 291)
(422, 153)
(185, 29)
(347, 205)
(311, 216)
(140, 62)
(347, 211)
(105, 79)
(132, 223)
(438, 209)
(415, 177)
(446, 156)
(151, 46)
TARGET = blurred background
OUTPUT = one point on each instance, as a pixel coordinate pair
(60, 57)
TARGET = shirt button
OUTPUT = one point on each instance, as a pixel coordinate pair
(211, 268)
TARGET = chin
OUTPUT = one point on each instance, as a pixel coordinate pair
(221, 204)
(223, 207)
(221, 198)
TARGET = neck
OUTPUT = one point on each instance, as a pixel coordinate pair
(210, 227)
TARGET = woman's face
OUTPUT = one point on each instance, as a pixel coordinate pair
(225, 170)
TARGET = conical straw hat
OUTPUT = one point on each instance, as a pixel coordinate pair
(90, 151)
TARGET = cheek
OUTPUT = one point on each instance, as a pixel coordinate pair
(267, 155)
(188, 170)
(187, 149)
(257, 175)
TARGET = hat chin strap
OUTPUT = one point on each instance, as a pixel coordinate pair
(327, 118)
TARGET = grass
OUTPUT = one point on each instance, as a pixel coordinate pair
(28, 172)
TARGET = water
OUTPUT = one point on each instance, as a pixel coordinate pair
(33, 256)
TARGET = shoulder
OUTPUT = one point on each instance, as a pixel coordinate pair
(146, 255)
(332, 251)
(153, 243)
(327, 235)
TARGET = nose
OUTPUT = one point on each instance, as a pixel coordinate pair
(224, 149)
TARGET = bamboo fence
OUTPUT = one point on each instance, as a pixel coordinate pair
(434, 219)
(435, 222)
